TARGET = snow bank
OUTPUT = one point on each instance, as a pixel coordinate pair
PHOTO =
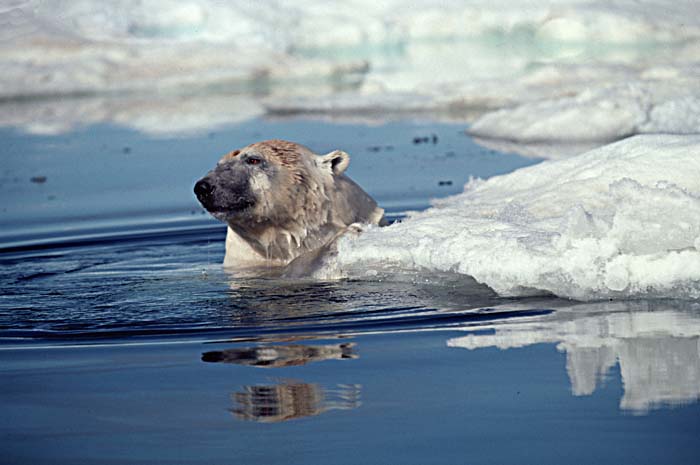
(622, 221)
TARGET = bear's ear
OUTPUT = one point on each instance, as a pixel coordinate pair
(336, 162)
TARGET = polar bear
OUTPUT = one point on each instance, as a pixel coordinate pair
(284, 205)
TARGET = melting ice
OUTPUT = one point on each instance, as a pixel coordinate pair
(621, 221)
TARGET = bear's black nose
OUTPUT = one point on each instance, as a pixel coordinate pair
(203, 190)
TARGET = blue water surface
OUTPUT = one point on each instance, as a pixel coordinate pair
(122, 339)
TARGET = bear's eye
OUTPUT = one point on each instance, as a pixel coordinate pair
(253, 161)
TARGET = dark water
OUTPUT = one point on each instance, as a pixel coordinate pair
(122, 340)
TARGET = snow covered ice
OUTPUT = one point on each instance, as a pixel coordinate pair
(622, 221)
(563, 70)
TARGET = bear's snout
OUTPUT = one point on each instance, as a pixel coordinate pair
(204, 191)
(224, 193)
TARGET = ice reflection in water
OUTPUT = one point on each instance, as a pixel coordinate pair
(657, 347)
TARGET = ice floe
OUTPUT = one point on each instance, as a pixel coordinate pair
(621, 221)
(653, 105)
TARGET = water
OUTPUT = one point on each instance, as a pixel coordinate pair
(98, 247)
(122, 340)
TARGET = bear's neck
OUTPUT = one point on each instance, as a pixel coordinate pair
(307, 224)
(284, 243)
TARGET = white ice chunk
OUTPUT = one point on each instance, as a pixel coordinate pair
(620, 221)
(603, 115)
(664, 102)
(679, 116)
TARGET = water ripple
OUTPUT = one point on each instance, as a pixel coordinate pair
(173, 286)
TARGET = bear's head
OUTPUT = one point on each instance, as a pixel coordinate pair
(269, 183)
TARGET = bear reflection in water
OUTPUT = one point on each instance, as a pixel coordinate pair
(289, 399)
(281, 355)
